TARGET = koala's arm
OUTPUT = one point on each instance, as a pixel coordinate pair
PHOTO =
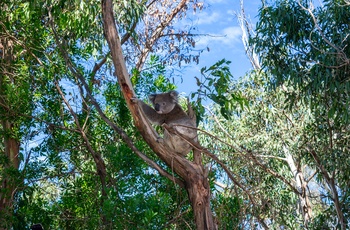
(150, 113)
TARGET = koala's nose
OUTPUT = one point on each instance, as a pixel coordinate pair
(157, 107)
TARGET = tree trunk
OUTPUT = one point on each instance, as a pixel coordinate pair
(198, 190)
(192, 173)
(301, 186)
(11, 144)
(8, 185)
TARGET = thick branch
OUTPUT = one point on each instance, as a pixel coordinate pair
(301, 185)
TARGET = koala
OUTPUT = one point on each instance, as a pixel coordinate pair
(167, 111)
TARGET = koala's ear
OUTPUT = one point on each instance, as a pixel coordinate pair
(174, 94)
(152, 97)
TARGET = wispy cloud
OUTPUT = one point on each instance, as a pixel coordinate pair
(233, 33)
(231, 12)
(215, 1)
(205, 18)
(229, 36)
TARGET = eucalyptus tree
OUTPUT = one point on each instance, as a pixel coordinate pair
(83, 161)
(258, 138)
(287, 123)
(305, 49)
(19, 62)
(191, 175)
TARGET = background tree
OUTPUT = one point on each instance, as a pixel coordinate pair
(257, 138)
(310, 59)
(292, 114)
(17, 65)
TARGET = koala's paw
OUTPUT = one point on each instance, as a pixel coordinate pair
(134, 100)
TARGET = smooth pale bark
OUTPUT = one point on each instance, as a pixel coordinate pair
(192, 174)
(301, 186)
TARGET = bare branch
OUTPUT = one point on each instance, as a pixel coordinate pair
(158, 31)
(247, 34)
(98, 66)
(311, 176)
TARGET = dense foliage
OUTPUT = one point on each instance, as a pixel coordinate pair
(285, 127)
(307, 55)
(277, 140)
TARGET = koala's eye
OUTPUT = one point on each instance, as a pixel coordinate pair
(163, 103)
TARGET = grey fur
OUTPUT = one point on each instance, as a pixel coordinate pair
(167, 111)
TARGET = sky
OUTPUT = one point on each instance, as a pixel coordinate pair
(219, 20)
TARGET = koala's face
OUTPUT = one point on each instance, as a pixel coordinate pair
(164, 102)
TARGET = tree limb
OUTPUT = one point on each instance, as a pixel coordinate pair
(101, 167)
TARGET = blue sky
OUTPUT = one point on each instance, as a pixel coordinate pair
(218, 19)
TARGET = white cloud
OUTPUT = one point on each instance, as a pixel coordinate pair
(205, 18)
(231, 12)
(215, 1)
(229, 36)
(233, 33)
